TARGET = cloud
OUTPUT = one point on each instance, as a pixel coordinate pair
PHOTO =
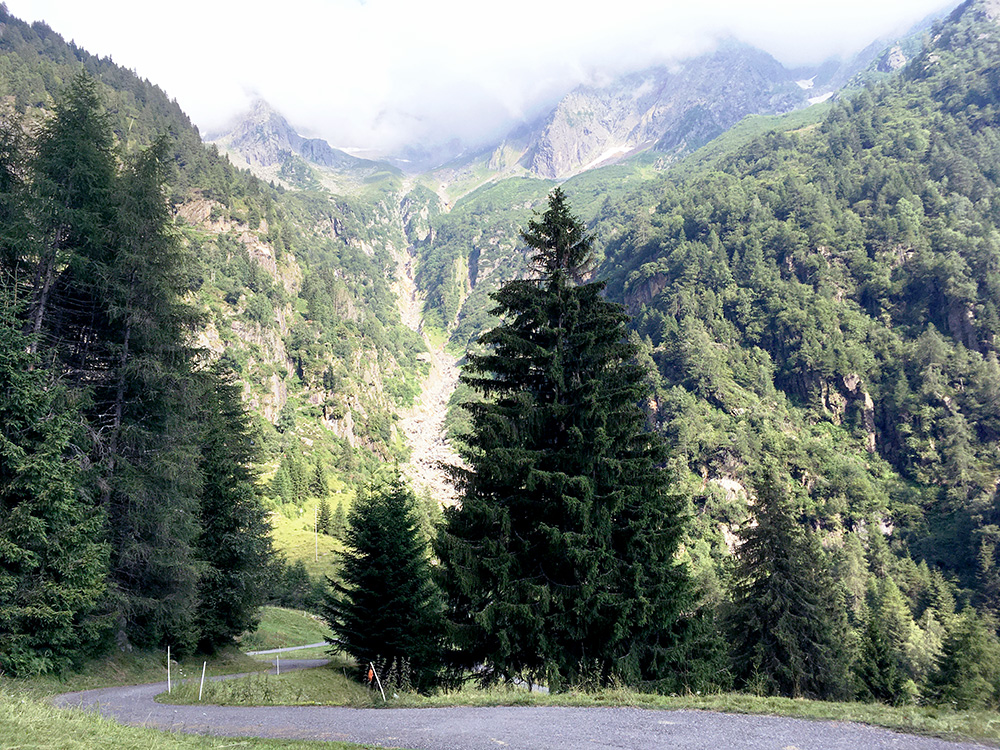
(381, 73)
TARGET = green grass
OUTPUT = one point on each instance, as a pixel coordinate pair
(750, 127)
(331, 686)
(133, 668)
(281, 628)
(327, 685)
(294, 537)
(27, 723)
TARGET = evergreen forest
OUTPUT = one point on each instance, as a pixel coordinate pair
(729, 421)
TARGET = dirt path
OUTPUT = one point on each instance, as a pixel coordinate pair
(513, 728)
(423, 423)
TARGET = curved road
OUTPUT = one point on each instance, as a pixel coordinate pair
(510, 728)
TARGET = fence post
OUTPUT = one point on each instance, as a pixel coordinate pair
(372, 665)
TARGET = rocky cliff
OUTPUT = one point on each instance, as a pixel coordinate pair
(264, 138)
(674, 109)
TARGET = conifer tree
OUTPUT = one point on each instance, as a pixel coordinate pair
(281, 485)
(18, 240)
(385, 608)
(559, 561)
(73, 170)
(323, 520)
(788, 619)
(234, 544)
(878, 664)
(969, 674)
(319, 486)
(145, 413)
(338, 523)
(53, 562)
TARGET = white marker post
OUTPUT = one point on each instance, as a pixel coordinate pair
(168, 669)
(377, 680)
(277, 665)
(202, 687)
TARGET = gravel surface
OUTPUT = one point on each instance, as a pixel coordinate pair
(513, 728)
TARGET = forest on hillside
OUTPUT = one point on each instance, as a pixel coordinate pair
(817, 306)
(734, 428)
(269, 312)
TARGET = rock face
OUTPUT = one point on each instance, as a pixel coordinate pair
(670, 109)
(892, 60)
(264, 138)
(989, 9)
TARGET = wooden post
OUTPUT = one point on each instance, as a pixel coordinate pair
(202, 686)
(168, 669)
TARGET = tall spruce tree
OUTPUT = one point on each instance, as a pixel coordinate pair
(969, 673)
(53, 562)
(385, 608)
(560, 560)
(107, 308)
(145, 413)
(323, 517)
(788, 619)
(73, 172)
(234, 543)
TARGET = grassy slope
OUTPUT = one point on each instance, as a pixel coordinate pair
(281, 628)
(135, 668)
(294, 538)
(25, 715)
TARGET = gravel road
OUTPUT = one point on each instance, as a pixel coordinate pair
(512, 728)
(286, 649)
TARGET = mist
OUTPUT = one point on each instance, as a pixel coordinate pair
(382, 74)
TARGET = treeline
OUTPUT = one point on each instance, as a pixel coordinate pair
(292, 287)
(823, 302)
(129, 509)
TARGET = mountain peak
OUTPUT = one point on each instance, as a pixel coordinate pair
(260, 109)
(675, 109)
(263, 138)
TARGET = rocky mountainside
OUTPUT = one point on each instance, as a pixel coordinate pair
(671, 109)
(264, 141)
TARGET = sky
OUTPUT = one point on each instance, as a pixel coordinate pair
(385, 73)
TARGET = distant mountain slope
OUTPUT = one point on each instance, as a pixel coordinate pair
(266, 143)
(296, 288)
(671, 109)
(827, 298)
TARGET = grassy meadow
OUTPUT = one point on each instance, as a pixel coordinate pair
(25, 714)
(281, 628)
(296, 540)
